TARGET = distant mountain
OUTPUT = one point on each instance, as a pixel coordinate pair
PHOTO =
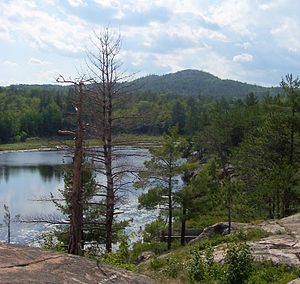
(187, 82)
(194, 83)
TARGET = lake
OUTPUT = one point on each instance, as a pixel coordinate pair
(29, 176)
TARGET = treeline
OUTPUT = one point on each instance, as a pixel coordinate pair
(28, 111)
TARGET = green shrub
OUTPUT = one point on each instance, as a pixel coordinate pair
(238, 263)
(173, 267)
(153, 229)
(120, 258)
(138, 248)
(50, 241)
(116, 259)
(202, 267)
(157, 263)
(256, 234)
(269, 272)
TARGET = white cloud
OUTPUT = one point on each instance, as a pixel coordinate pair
(8, 63)
(109, 3)
(50, 2)
(287, 35)
(4, 34)
(243, 57)
(42, 30)
(36, 61)
(269, 5)
(235, 14)
(76, 3)
(244, 45)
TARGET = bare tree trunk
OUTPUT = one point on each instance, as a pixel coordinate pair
(104, 69)
(229, 209)
(170, 213)
(110, 200)
(183, 229)
(76, 210)
(76, 193)
(104, 66)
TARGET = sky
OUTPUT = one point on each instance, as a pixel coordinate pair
(254, 41)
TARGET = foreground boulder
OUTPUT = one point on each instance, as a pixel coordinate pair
(19, 264)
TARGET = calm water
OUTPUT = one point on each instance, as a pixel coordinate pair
(28, 176)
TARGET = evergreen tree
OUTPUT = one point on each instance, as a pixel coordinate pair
(160, 177)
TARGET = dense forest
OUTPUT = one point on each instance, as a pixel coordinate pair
(28, 111)
(158, 102)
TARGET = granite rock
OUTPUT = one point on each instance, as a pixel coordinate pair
(20, 264)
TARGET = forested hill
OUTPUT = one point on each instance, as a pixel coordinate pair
(184, 98)
(186, 82)
(193, 83)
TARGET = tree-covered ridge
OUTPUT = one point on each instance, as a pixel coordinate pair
(194, 83)
(41, 110)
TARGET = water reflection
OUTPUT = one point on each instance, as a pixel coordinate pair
(46, 172)
(27, 176)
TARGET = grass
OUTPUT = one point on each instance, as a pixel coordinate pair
(31, 143)
(40, 143)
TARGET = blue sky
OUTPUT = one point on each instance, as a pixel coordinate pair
(255, 41)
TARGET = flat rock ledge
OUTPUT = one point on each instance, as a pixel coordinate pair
(20, 264)
(283, 246)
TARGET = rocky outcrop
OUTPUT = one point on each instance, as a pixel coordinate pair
(144, 256)
(20, 264)
(222, 229)
(283, 246)
(286, 226)
(296, 281)
(279, 249)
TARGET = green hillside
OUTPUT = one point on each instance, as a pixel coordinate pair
(194, 83)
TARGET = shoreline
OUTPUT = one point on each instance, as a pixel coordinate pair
(37, 144)
(46, 149)
(58, 148)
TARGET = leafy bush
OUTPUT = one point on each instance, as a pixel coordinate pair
(157, 263)
(120, 258)
(153, 229)
(239, 263)
(173, 267)
(268, 272)
(252, 235)
(138, 248)
(50, 241)
(202, 267)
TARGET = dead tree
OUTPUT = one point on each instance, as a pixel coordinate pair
(76, 202)
(108, 85)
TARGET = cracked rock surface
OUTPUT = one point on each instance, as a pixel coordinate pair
(20, 264)
(283, 246)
